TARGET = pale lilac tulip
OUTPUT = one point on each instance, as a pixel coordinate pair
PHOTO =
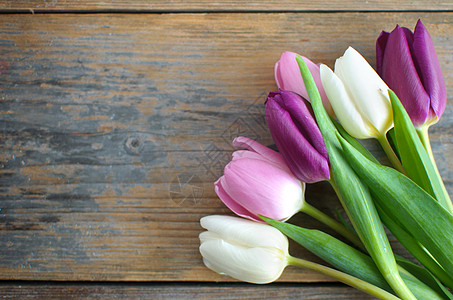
(258, 182)
(287, 77)
(245, 250)
(297, 136)
(408, 64)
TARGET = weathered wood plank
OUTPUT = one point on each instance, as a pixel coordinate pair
(114, 127)
(230, 6)
(179, 291)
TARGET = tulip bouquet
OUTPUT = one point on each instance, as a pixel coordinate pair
(315, 119)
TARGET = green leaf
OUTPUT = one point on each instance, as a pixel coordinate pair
(417, 250)
(425, 276)
(333, 251)
(392, 138)
(419, 214)
(343, 221)
(354, 142)
(348, 259)
(413, 154)
(353, 194)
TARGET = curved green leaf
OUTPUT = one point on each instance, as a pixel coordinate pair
(417, 250)
(425, 276)
(348, 259)
(353, 194)
(414, 157)
(420, 215)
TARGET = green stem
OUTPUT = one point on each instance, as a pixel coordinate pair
(424, 138)
(392, 277)
(338, 227)
(342, 277)
(357, 198)
(414, 247)
(391, 154)
(398, 285)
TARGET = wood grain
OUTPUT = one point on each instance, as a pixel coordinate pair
(178, 291)
(226, 6)
(115, 126)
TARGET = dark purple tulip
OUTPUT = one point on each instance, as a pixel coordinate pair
(297, 136)
(408, 64)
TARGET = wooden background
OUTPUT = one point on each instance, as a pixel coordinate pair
(116, 119)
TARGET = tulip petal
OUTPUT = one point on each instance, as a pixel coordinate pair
(265, 189)
(265, 152)
(231, 204)
(208, 236)
(366, 89)
(344, 107)
(240, 231)
(401, 74)
(287, 74)
(303, 118)
(256, 265)
(287, 77)
(308, 162)
(277, 75)
(381, 44)
(240, 154)
(430, 70)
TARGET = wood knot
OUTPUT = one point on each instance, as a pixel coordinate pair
(133, 145)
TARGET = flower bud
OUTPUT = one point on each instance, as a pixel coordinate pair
(245, 250)
(358, 96)
(258, 182)
(297, 136)
(408, 64)
(288, 78)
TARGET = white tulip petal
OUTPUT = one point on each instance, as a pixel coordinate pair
(343, 105)
(245, 232)
(208, 236)
(256, 265)
(366, 88)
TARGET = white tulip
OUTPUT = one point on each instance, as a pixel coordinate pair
(245, 250)
(359, 97)
(258, 253)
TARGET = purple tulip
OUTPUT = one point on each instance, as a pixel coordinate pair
(408, 64)
(288, 78)
(258, 182)
(297, 136)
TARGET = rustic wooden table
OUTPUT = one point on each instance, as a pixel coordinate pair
(116, 119)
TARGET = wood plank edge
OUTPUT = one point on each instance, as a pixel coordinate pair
(198, 11)
(181, 290)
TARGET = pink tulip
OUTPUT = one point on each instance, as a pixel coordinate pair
(288, 78)
(258, 182)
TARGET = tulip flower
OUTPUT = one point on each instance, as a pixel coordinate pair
(258, 182)
(258, 253)
(359, 98)
(297, 136)
(245, 250)
(287, 77)
(408, 64)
